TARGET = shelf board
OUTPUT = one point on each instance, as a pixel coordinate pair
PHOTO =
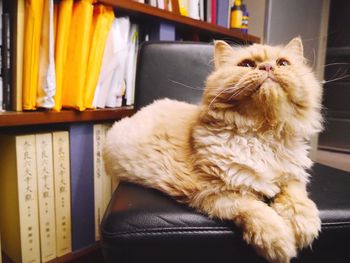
(87, 255)
(10, 118)
(133, 7)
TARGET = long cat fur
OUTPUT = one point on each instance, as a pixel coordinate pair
(247, 141)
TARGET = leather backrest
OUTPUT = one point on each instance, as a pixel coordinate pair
(175, 70)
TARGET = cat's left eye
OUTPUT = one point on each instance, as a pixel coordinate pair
(247, 63)
(282, 62)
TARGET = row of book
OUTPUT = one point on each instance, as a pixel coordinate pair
(53, 192)
(66, 54)
(216, 12)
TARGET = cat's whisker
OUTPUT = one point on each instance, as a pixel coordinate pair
(236, 93)
(184, 85)
(212, 101)
(332, 80)
(221, 92)
(336, 63)
(336, 75)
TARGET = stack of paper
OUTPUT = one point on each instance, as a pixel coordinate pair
(117, 74)
(47, 79)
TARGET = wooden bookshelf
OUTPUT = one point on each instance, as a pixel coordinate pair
(10, 118)
(140, 10)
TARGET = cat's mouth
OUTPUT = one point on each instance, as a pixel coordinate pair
(269, 78)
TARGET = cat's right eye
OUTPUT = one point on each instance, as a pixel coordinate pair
(247, 63)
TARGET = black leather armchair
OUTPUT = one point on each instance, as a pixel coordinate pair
(144, 225)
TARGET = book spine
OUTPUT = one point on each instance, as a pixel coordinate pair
(61, 166)
(98, 173)
(164, 31)
(82, 185)
(0, 250)
(28, 198)
(208, 11)
(161, 4)
(193, 9)
(1, 82)
(47, 222)
(183, 6)
(5, 60)
(201, 10)
(106, 180)
(222, 10)
(213, 11)
(153, 3)
(1, 95)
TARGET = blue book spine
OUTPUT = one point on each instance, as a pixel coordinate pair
(164, 31)
(222, 10)
(82, 185)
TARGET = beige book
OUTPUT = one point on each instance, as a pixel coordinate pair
(61, 166)
(46, 198)
(19, 222)
(98, 173)
(0, 250)
(106, 180)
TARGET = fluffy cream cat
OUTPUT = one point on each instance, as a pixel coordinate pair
(247, 142)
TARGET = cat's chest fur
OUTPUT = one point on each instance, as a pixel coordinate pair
(250, 162)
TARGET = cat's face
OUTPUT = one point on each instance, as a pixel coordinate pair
(273, 84)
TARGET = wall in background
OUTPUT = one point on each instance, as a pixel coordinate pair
(256, 11)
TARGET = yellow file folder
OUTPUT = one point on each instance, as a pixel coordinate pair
(102, 21)
(33, 19)
(78, 52)
(64, 15)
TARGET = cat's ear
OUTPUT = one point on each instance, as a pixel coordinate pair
(296, 46)
(222, 52)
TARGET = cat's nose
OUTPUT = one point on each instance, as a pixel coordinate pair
(266, 66)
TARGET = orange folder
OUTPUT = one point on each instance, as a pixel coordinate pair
(102, 21)
(77, 56)
(33, 19)
(64, 15)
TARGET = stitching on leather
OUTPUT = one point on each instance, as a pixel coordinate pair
(150, 233)
(334, 227)
(157, 231)
(336, 224)
(201, 230)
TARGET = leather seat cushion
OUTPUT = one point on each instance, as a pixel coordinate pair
(144, 225)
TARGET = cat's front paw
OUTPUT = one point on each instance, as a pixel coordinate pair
(273, 240)
(304, 219)
(306, 224)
